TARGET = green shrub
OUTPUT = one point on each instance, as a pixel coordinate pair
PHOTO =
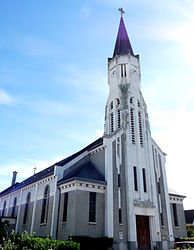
(25, 242)
(190, 232)
(3, 230)
(88, 243)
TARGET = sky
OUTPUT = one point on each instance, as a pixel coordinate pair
(53, 80)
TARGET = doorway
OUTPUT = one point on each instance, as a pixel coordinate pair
(143, 232)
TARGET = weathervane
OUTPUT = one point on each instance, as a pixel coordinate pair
(121, 11)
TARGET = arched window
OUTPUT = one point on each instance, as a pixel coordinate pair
(140, 128)
(28, 197)
(117, 102)
(111, 122)
(111, 105)
(132, 100)
(119, 118)
(4, 207)
(45, 205)
(14, 207)
(132, 125)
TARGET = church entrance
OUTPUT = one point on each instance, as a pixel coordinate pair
(143, 232)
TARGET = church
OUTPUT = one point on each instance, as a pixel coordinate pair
(114, 187)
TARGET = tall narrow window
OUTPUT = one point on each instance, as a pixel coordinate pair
(14, 207)
(174, 208)
(159, 190)
(160, 161)
(161, 219)
(140, 129)
(132, 126)
(65, 205)
(123, 70)
(45, 205)
(92, 207)
(118, 118)
(111, 123)
(153, 156)
(144, 180)
(111, 105)
(135, 178)
(119, 180)
(120, 216)
(4, 207)
(26, 210)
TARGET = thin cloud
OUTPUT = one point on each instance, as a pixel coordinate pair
(35, 46)
(49, 108)
(85, 12)
(175, 135)
(5, 98)
(25, 169)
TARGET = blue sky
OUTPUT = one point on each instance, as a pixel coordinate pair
(53, 79)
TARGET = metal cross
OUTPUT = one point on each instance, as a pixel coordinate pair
(121, 11)
(35, 170)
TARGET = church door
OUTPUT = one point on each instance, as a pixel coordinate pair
(143, 232)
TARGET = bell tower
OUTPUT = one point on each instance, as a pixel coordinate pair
(129, 171)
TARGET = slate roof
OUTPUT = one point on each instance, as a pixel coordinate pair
(40, 175)
(86, 171)
(91, 146)
(171, 191)
(50, 170)
(123, 45)
(189, 216)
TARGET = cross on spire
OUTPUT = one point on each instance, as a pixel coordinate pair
(121, 11)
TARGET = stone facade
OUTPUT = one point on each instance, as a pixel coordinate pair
(114, 187)
(178, 215)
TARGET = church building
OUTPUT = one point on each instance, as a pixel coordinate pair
(115, 187)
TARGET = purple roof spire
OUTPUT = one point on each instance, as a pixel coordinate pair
(123, 45)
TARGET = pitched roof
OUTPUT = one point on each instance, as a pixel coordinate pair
(173, 192)
(40, 175)
(123, 45)
(50, 170)
(91, 146)
(86, 171)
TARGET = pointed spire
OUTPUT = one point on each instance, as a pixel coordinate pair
(123, 45)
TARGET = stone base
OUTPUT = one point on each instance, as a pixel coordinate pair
(158, 245)
(125, 245)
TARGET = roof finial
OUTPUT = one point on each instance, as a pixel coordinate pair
(121, 11)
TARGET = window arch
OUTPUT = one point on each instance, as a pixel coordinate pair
(111, 122)
(118, 118)
(26, 210)
(111, 105)
(4, 207)
(45, 205)
(14, 207)
(132, 100)
(117, 102)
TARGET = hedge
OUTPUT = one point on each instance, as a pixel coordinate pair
(25, 242)
(88, 243)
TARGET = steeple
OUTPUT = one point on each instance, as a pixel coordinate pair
(123, 45)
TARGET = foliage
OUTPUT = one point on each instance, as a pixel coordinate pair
(25, 242)
(88, 243)
(3, 230)
(190, 232)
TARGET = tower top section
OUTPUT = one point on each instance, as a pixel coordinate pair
(123, 45)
